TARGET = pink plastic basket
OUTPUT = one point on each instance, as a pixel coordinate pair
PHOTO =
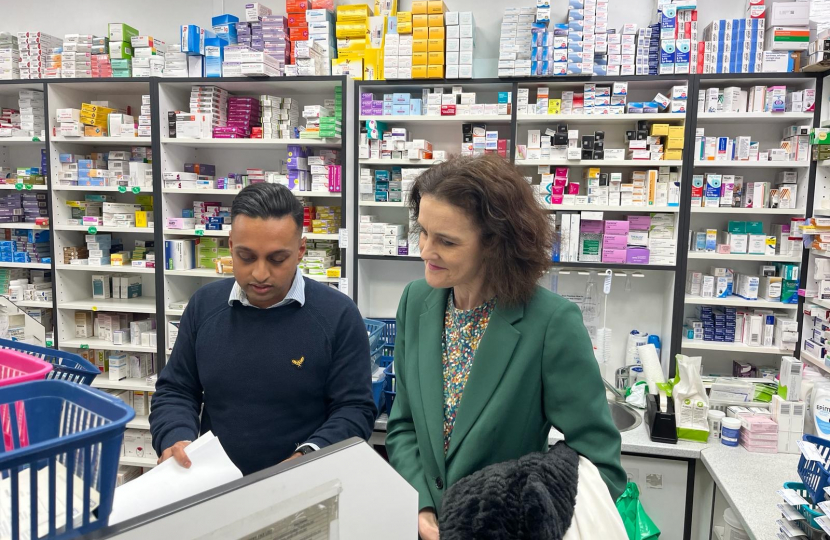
(17, 367)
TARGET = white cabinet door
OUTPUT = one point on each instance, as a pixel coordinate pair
(662, 484)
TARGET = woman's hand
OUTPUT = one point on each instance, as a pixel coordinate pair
(427, 524)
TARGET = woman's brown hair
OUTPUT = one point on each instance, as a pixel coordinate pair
(516, 232)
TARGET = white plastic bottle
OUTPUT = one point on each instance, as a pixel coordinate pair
(820, 409)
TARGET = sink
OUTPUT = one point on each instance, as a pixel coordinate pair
(625, 418)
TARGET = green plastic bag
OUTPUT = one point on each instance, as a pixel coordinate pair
(638, 525)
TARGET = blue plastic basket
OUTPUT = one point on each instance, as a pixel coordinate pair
(389, 330)
(377, 392)
(52, 427)
(815, 476)
(809, 512)
(389, 389)
(65, 366)
(375, 329)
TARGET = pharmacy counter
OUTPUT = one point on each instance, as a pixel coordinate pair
(748, 481)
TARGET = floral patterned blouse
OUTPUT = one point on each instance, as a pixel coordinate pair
(462, 333)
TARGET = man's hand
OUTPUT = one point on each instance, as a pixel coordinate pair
(177, 451)
(428, 524)
(295, 455)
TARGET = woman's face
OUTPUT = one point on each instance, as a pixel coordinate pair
(450, 245)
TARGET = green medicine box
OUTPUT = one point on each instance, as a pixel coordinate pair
(121, 32)
(737, 227)
(754, 227)
(120, 50)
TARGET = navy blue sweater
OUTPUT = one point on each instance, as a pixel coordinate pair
(238, 364)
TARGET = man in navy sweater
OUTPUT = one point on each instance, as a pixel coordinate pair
(276, 365)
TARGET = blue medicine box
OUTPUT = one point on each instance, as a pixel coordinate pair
(192, 39)
(225, 28)
(214, 55)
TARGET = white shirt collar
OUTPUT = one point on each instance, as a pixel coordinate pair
(295, 294)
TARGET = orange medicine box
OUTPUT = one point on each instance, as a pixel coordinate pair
(419, 7)
(437, 32)
(435, 45)
(435, 58)
(436, 7)
(420, 21)
(404, 27)
(420, 45)
(435, 72)
(435, 20)
(421, 32)
(419, 72)
(419, 59)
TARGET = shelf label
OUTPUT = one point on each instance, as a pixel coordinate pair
(35, 139)
(49, 343)
(122, 189)
(92, 230)
(29, 186)
(200, 230)
(344, 238)
(343, 285)
(136, 190)
(84, 346)
(94, 308)
(18, 186)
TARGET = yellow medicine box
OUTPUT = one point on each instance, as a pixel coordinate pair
(436, 6)
(677, 131)
(435, 20)
(435, 58)
(140, 218)
(554, 106)
(419, 71)
(422, 32)
(435, 72)
(404, 27)
(419, 21)
(673, 154)
(419, 7)
(437, 32)
(674, 143)
(435, 45)
(420, 45)
(659, 130)
(404, 16)
(419, 58)
(353, 12)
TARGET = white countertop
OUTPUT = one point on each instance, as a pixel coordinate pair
(749, 481)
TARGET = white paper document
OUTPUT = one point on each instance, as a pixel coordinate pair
(170, 482)
(23, 494)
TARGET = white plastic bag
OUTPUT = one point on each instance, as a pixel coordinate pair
(691, 405)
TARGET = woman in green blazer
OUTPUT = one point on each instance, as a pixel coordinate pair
(486, 360)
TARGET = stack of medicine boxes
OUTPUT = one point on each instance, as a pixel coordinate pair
(428, 39)
(321, 32)
(99, 247)
(148, 56)
(647, 51)
(460, 32)
(376, 238)
(788, 411)
(120, 49)
(76, 58)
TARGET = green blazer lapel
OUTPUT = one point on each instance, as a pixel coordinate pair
(431, 370)
(494, 353)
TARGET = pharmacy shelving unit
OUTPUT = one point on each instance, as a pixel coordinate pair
(73, 283)
(22, 152)
(767, 129)
(379, 279)
(813, 304)
(634, 285)
(231, 156)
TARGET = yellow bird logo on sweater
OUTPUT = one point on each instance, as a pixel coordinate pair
(298, 363)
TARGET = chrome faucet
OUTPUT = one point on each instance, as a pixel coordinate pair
(621, 381)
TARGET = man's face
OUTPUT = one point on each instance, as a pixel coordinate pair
(265, 257)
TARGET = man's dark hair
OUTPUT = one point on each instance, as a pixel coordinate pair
(267, 201)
